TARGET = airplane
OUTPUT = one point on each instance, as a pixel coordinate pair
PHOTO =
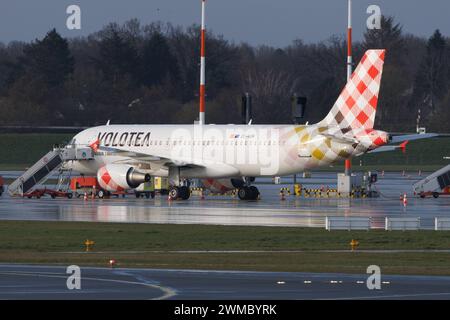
(227, 157)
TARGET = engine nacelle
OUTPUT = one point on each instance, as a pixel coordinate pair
(120, 177)
(222, 185)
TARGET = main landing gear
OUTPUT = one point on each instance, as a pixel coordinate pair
(177, 191)
(248, 193)
(182, 192)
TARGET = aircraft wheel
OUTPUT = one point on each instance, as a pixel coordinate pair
(174, 193)
(69, 195)
(244, 193)
(435, 195)
(185, 193)
(254, 193)
(101, 194)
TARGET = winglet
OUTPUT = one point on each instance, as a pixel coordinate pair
(403, 146)
(94, 145)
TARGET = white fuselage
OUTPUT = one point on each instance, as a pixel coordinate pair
(213, 151)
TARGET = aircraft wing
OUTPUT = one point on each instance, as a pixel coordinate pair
(411, 137)
(404, 139)
(193, 165)
(136, 157)
(143, 157)
(401, 146)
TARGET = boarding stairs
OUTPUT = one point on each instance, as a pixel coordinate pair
(435, 182)
(43, 169)
(64, 179)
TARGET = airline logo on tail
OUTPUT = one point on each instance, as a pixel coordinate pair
(356, 106)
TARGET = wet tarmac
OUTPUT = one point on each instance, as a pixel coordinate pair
(50, 282)
(226, 210)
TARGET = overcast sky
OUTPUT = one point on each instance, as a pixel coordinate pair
(271, 22)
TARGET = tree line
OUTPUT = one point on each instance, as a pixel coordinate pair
(135, 73)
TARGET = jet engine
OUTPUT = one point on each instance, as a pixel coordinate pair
(222, 185)
(120, 177)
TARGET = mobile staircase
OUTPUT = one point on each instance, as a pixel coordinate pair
(436, 184)
(49, 164)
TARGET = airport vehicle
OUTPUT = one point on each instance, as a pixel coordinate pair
(1, 186)
(39, 173)
(146, 189)
(124, 156)
(89, 185)
(82, 184)
(161, 185)
(436, 184)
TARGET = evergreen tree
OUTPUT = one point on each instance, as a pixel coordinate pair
(158, 62)
(432, 79)
(49, 59)
(388, 37)
(118, 58)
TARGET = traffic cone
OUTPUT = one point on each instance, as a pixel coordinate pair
(85, 196)
(403, 173)
(405, 201)
(420, 173)
(382, 173)
(112, 263)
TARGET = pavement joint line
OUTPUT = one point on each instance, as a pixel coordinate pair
(168, 292)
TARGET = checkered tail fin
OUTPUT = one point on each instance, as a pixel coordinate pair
(357, 104)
